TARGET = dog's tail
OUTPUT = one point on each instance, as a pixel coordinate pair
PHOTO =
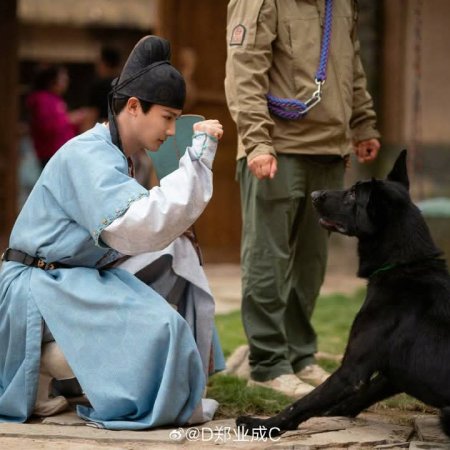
(445, 420)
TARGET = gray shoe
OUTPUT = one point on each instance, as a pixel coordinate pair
(313, 374)
(287, 384)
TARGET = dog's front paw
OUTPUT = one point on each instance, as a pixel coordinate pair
(248, 422)
(253, 426)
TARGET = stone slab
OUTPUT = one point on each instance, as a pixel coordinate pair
(396, 446)
(43, 444)
(420, 445)
(66, 432)
(370, 434)
(40, 431)
(325, 424)
(429, 430)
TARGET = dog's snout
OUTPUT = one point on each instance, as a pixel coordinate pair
(318, 195)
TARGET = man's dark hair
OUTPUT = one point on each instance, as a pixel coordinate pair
(110, 57)
(120, 102)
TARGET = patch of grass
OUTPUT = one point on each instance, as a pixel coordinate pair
(236, 399)
(231, 332)
(403, 402)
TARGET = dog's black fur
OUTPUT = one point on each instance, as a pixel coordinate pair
(400, 339)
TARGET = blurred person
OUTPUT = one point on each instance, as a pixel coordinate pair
(297, 124)
(102, 291)
(51, 124)
(107, 69)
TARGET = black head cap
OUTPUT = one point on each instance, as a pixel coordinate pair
(148, 76)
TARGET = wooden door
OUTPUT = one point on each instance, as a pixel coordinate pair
(197, 30)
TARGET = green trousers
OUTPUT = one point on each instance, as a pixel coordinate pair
(283, 260)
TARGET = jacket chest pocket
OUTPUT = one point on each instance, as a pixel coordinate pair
(304, 46)
(304, 39)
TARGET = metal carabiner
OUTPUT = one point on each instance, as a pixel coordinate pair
(316, 96)
(318, 91)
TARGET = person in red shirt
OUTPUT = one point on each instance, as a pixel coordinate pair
(51, 125)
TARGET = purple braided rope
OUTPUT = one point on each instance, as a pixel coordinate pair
(286, 108)
(291, 108)
(321, 73)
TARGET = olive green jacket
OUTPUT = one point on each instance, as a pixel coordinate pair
(274, 46)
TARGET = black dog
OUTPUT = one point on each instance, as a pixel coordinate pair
(400, 339)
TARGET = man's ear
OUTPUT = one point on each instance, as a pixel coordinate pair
(399, 171)
(133, 106)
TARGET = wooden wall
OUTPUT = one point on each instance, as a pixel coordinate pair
(200, 26)
(416, 92)
(8, 117)
(416, 36)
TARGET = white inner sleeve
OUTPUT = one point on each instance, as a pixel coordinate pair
(151, 223)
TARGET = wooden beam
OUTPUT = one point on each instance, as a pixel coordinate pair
(8, 116)
(394, 59)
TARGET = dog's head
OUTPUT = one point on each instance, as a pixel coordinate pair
(366, 206)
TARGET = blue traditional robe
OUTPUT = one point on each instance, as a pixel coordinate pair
(135, 357)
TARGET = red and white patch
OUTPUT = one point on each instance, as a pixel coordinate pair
(238, 35)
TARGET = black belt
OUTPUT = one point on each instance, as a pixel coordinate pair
(21, 257)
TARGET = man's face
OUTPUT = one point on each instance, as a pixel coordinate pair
(156, 126)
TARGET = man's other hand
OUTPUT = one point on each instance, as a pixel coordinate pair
(263, 166)
(366, 151)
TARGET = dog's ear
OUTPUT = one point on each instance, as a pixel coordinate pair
(384, 195)
(399, 172)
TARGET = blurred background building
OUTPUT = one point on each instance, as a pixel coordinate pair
(403, 49)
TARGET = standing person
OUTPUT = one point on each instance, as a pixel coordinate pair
(51, 125)
(100, 290)
(274, 49)
(107, 69)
